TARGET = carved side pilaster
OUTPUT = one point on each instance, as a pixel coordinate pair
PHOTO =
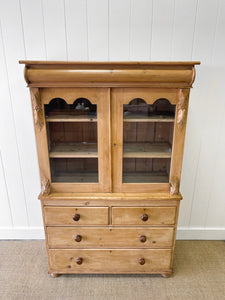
(45, 186)
(174, 186)
(182, 108)
(37, 108)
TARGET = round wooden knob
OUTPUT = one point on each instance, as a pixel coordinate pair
(144, 217)
(76, 217)
(143, 238)
(141, 261)
(79, 260)
(78, 238)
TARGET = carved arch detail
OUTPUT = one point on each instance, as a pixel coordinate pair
(45, 186)
(37, 108)
(174, 186)
(182, 108)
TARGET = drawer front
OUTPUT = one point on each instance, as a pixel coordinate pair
(110, 261)
(81, 237)
(143, 215)
(76, 215)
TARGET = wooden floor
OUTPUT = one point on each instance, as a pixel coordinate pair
(199, 273)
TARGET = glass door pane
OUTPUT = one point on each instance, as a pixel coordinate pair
(72, 141)
(147, 141)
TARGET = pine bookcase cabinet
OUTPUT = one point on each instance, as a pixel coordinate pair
(110, 139)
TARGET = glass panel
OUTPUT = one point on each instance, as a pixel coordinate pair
(74, 169)
(72, 140)
(147, 141)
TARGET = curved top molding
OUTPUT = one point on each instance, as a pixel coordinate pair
(110, 74)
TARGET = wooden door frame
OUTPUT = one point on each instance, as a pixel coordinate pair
(99, 96)
(120, 96)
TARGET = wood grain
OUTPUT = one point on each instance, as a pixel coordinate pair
(109, 237)
(133, 215)
(112, 261)
(64, 215)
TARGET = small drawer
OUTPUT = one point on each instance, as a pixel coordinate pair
(95, 237)
(110, 261)
(76, 215)
(143, 215)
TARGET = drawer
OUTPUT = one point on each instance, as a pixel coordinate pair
(76, 215)
(143, 215)
(110, 261)
(95, 237)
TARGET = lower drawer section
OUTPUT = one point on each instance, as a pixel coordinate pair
(110, 261)
(106, 237)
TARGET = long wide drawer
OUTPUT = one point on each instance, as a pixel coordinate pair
(143, 215)
(106, 237)
(110, 261)
(76, 215)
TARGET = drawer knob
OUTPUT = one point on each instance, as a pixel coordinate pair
(76, 217)
(78, 238)
(143, 238)
(79, 260)
(144, 217)
(141, 261)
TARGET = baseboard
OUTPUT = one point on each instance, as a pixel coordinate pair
(198, 233)
(183, 233)
(22, 233)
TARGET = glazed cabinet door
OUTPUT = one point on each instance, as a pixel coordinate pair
(148, 126)
(74, 138)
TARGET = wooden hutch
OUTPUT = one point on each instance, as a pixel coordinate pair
(110, 139)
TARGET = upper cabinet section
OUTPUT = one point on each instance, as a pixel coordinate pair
(110, 126)
(110, 74)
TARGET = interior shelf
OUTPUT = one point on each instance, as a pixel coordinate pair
(71, 118)
(76, 177)
(143, 177)
(147, 150)
(69, 150)
(146, 118)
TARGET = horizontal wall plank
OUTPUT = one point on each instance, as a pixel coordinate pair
(162, 30)
(140, 29)
(55, 29)
(119, 29)
(5, 212)
(97, 21)
(22, 146)
(76, 29)
(9, 146)
(33, 28)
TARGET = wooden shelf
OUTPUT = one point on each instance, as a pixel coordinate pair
(141, 177)
(76, 177)
(73, 150)
(146, 118)
(71, 118)
(144, 150)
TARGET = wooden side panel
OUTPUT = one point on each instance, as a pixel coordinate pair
(113, 237)
(134, 215)
(41, 139)
(111, 261)
(87, 215)
(178, 140)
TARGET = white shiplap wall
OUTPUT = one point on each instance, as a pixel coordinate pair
(114, 30)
